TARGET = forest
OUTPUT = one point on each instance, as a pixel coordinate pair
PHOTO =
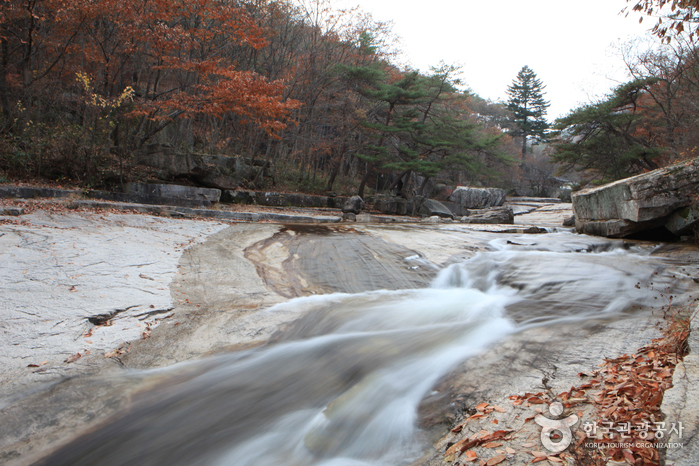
(309, 97)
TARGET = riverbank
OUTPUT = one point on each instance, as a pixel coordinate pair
(95, 292)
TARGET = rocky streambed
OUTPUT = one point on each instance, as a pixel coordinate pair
(138, 339)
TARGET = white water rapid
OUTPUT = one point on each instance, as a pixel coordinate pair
(341, 385)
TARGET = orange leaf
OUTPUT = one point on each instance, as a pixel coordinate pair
(495, 460)
(481, 407)
(492, 444)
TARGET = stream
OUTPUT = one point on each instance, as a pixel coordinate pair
(341, 383)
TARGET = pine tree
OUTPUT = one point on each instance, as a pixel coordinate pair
(526, 101)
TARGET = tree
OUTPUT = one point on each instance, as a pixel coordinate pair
(608, 140)
(420, 124)
(526, 101)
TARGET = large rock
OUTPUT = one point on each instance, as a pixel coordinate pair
(496, 215)
(213, 171)
(354, 205)
(478, 198)
(392, 205)
(429, 207)
(638, 203)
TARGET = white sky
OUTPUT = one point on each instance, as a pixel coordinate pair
(568, 44)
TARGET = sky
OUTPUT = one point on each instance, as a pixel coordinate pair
(570, 45)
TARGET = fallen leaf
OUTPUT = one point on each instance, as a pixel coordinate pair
(628, 455)
(495, 460)
(498, 409)
(554, 459)
(73, 358)
(492, 444)
(511, 451)
(539, 458)
(481, 406)
(538, 454)
(461, 445)
(470, 454)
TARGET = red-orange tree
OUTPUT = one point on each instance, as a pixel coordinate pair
(178, 57)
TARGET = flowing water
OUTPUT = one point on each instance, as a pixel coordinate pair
(341, 385)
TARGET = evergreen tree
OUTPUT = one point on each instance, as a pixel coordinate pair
(418, 125)
(526, 101)
(608, 140)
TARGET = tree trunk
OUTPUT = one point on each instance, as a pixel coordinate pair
(336, 169)
(397, 180)
(365, 178)
(4, 90)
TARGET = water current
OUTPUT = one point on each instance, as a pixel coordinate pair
(341, 385)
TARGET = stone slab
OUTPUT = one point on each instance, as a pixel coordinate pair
(640, 198)
(25, 192)
(186, 212)
(174, 191)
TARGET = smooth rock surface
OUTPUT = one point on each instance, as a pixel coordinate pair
(62, 269)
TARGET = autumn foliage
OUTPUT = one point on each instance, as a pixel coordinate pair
(85, 83)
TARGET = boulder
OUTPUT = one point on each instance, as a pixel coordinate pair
(429, 207)
(495, 215)
(215, 177)
(393, 205)
(478, 198)
(354, 205)
(237, 197)
(642, 202)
